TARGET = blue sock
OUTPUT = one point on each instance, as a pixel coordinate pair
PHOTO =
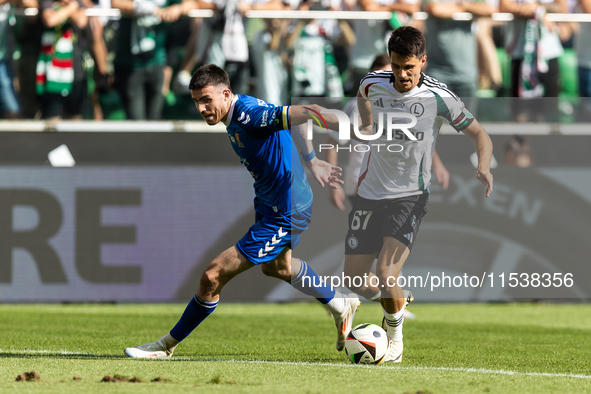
(194, 314)
(309, 283)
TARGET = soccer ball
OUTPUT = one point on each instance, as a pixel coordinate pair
(366, 344)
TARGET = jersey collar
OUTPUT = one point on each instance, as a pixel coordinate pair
(421, 80)
(231, 111)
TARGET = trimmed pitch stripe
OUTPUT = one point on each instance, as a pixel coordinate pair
(305, 364)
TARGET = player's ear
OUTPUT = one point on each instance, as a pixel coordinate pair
(227, 93)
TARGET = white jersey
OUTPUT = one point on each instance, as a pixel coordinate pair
(386, 174)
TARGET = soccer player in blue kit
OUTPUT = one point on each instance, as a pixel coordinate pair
(260, 135)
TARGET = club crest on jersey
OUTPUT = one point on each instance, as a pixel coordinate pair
(238, 142)
(397, 105)
(417, 109)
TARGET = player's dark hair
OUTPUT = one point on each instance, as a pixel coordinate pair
(380, 62)
(407, 41)
(209, 75)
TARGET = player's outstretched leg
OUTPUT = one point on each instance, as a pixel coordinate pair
(341, 306)
(195, 312)
(302, 277)
(219, 272)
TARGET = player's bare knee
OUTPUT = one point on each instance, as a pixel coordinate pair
(271, 270)
(209, 279)
(267, 270)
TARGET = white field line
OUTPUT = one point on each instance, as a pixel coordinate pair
(306, 364)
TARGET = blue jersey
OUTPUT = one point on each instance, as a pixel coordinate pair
(260, 136)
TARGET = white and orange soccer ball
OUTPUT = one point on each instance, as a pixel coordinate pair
(366, 344)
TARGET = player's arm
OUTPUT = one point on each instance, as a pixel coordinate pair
(441, 173)
(299, 114)
(322, 171)
(484, 147)
(364, 106)
(264, 119)
(336, 195)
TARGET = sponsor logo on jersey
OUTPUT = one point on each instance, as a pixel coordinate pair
(379, 103)
(413, 221)
(272, 119)
(262, 103)
(264, 119)
(397, 105)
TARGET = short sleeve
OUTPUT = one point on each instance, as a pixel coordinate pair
(451, 108)
(261, 119)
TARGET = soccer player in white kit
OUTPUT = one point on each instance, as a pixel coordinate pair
(394, 186)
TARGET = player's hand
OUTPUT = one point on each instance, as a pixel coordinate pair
(486, 178)
(337, 197)
(442, 175)
(325, 172)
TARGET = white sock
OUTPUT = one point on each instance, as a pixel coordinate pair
(336, 306)
(377, 297)
(394, 324)
(168, 342)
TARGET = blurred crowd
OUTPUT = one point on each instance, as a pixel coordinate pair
(61, 63)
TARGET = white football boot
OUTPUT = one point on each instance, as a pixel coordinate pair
(394, 353)
(344, 322)
(150, 350)
(395, 348)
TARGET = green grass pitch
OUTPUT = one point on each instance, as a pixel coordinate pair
(244, 348)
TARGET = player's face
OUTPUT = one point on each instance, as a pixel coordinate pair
(212, 102)
(407, 71)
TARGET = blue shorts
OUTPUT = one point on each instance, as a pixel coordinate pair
(267, 238)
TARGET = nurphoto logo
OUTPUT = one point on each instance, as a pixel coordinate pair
(396, 125)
